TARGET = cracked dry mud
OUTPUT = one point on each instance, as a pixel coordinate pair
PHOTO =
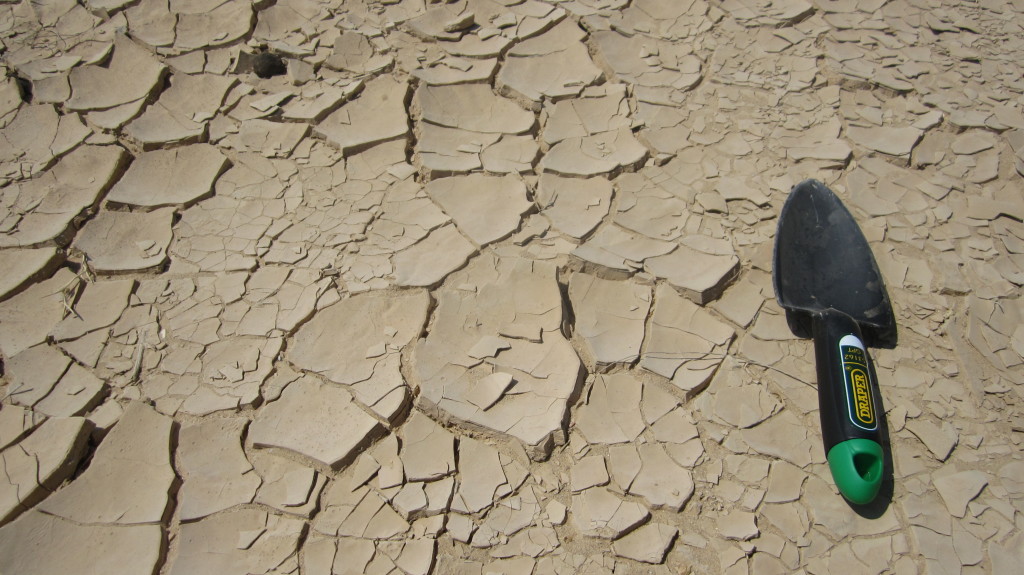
(483, 286)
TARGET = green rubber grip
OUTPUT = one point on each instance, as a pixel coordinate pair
(856, 466)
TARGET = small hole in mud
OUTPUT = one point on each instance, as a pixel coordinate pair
(267, 65)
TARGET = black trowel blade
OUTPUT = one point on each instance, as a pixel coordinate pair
(822, 261)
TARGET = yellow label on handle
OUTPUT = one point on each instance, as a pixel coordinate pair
(860, 404)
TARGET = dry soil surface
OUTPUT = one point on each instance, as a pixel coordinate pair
(403, 286)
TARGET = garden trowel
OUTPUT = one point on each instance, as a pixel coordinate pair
(827, 280)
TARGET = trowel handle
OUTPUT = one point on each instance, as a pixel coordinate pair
(848, 404)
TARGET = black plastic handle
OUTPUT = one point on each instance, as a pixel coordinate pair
(848, 405)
